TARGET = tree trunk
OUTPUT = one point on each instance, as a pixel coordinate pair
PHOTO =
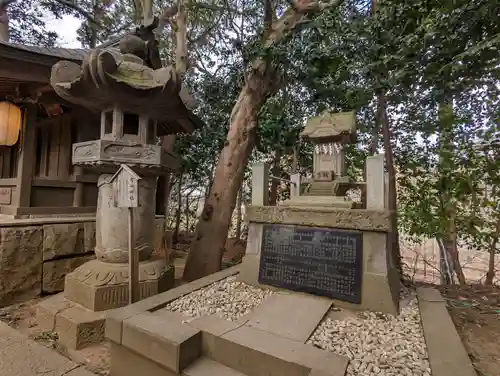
(186, 212)
(178, 212)
(238, 213)
(4, 22)
(275, 183)
(392, 193)
(207, 249)
(181, 53)
(452, 247)
(490, 275)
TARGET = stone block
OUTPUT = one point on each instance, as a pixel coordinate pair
(115, 318)
(80, 371)
(20, 263)
(63, 239)
(125, 362)
(170, 344)
(207, 367)
(303, 314)
(20, 356)
(89, 236)
(119, 151)
(78, 327)
(55, 271)
(47, 310)
(447, 354)
(359, 219)
(100, 286)
(255, 352)
(254, 239)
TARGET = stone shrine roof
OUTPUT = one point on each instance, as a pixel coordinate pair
(329, 127)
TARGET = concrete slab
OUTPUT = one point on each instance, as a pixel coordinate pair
(170, 344)
(447, 355)
(255, 352)
(125, 362)
(293, 316)
(21, 356)
(116, 317)
(207, 367)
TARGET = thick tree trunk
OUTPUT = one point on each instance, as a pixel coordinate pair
(275, 183)
(238, 213)
(178, 212)
(393, 200)
(211, 232)
(186, 212)
(206, 251)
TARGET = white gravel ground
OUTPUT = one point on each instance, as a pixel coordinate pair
(228, 299)
(378, 344)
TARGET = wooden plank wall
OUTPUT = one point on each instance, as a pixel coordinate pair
(54, 148)
(8, 161)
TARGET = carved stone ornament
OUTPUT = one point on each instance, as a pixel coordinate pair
(101, 273)
(111, 76)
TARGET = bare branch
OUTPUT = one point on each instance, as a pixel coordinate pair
(70, 4)
(5, 3)
(269, 17)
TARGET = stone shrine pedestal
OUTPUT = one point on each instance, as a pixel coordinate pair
(320, 242)
(370, 274)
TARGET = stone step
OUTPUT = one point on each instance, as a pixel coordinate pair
(255, 352)
(170, 344)
(292, 316)
(208, 367)
(21, 356)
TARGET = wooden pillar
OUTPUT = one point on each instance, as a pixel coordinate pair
(27, 156)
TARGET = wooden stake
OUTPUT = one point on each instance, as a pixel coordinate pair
(133, 262)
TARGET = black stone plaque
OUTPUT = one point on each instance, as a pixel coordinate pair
(319, 261)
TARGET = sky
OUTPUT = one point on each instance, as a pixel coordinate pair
(66, 28)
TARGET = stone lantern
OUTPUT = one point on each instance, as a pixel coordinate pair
(137, 104)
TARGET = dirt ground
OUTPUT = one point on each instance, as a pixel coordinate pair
(476, 313)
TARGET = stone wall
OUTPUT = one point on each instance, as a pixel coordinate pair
(36, 255)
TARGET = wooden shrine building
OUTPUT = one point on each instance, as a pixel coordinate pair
(37, 178)
(36, 175)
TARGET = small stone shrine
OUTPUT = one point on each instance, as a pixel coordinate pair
(319, 241)
(135, 100)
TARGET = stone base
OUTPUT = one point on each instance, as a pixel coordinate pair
(380, 283)
(99, 286)
(320, 202)
(76, 326)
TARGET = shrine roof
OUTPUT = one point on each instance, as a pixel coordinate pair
(25, 52)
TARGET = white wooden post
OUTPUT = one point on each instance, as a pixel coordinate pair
(260, 184)
(125, 185)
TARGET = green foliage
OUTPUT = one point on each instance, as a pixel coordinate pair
(437, 61)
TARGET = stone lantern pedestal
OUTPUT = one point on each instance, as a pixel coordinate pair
(103, 284)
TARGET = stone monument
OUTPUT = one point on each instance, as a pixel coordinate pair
(135, 101)
(318, 241)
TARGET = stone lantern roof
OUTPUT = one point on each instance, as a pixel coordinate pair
(119, 77)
